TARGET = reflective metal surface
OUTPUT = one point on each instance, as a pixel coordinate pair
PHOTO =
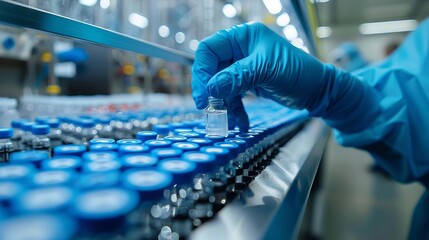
(273, 205)
(24, 16)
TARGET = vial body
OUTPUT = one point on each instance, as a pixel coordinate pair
(216, 118)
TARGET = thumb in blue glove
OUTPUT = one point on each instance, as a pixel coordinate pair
(252, 57)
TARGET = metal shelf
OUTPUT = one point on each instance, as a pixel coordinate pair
(28, 17)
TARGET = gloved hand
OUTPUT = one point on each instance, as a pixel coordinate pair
(252, 57)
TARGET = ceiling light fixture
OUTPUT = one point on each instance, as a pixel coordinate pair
(388, 27)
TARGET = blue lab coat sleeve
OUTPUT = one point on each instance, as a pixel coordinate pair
(398, 138)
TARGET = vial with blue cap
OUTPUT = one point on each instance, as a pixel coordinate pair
(41, 140)
(146, 135)
(158, 143)
(186, 146)
(70, 163)
(102, 141)
(16, 172)
(230, 168)
(34, 157)
(101, 166)
(102, 147)
(48, 178)
(9, 192)
(131, 149)
(27, 136)
(44, 199)
(162, 153)
(121, 127)
(241, 161)
(128, 141)
(17, 133)
(72, 149)
(143, 160)
(6, 144)
(189, 134)
(175, 138)
(103, 213)
(103, 127)
(203, 142)
(163, 130)
(85, 131)
(68, 130)
(98, 180)
(55, 132)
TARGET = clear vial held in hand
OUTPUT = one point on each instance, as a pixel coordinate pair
(216, 118)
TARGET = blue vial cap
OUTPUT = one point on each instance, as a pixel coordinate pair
(103, 120)
(30, 156)
(27, 126)
(201, 131)
(240, 142)
(203, 142)
(139, 160)
(104, 204)
(162, 153)
(16, 172)
(128, 141)
(100, 156)
(250, 140)
(102, 147)
(222, 154)
(152, 144)
(53, 123)
(84, 116)
(72, 149)
(85, 123)
(189, 134)
(175, 139)
(174, 126)
(40, 129)
(52, 177)
(205, 162)
(44, 199)
(182, 170)
(181, 130)
(258, 137)
(94, 180)
(215, 139)
(101, 166)
(161, 129)
(18, 123)
(150, 183)
(6, 132)
(51, 226)
(232, 147)
(190, 124)
(9, 191)
(101, 140)
(62, 163)
(146, 135)
(41, 119)
(186, 146)
(130, 149)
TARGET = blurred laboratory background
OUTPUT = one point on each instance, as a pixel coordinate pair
(111, 57)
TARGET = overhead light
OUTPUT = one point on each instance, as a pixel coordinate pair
(88, 3)
(305, 49)
(319, 1)
(229, 10)
(298, 42)
(323, 32)
(138, 20)
(193, 44)
(180, 37)
(283, 20)
(104, 4)
(163, 31)
(290, 32)
(388, 27)
(273, 6)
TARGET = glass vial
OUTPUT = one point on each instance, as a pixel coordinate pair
(216, 118)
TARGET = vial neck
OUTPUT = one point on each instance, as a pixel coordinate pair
(215, 101)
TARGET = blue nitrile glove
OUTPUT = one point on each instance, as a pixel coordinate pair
(252, 57)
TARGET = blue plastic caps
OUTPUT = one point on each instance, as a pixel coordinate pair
(161, 129)
(182, 170)
(27, 126)
(181, 130)
(240, 142)
(203, 142)
(85, 123)
(18, 123)
(63, 163)
(189, 134)
(53, 123)
(41, 129)
(101, 166)
(215, 138)
(128, 141)
(100, 156)
(139, 160)
(186, 146)
(38, 226)
(34, 157)
(99, 205)
(222, 154)
(205, 162)
(190, 124)
(41, 119)
(44, 199)
(72, 149)
(150, 183)
(175, 139)
(101, 140)
(94, 180)
(102, 147)
(146, 135)
(162, 153)
(174, 126)
(16, 172)
(201, 131)
(130, 149)
(52, 177)
(250, 140)
(152, 144)
(6, 132)
(9, 192)
(232, 147)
